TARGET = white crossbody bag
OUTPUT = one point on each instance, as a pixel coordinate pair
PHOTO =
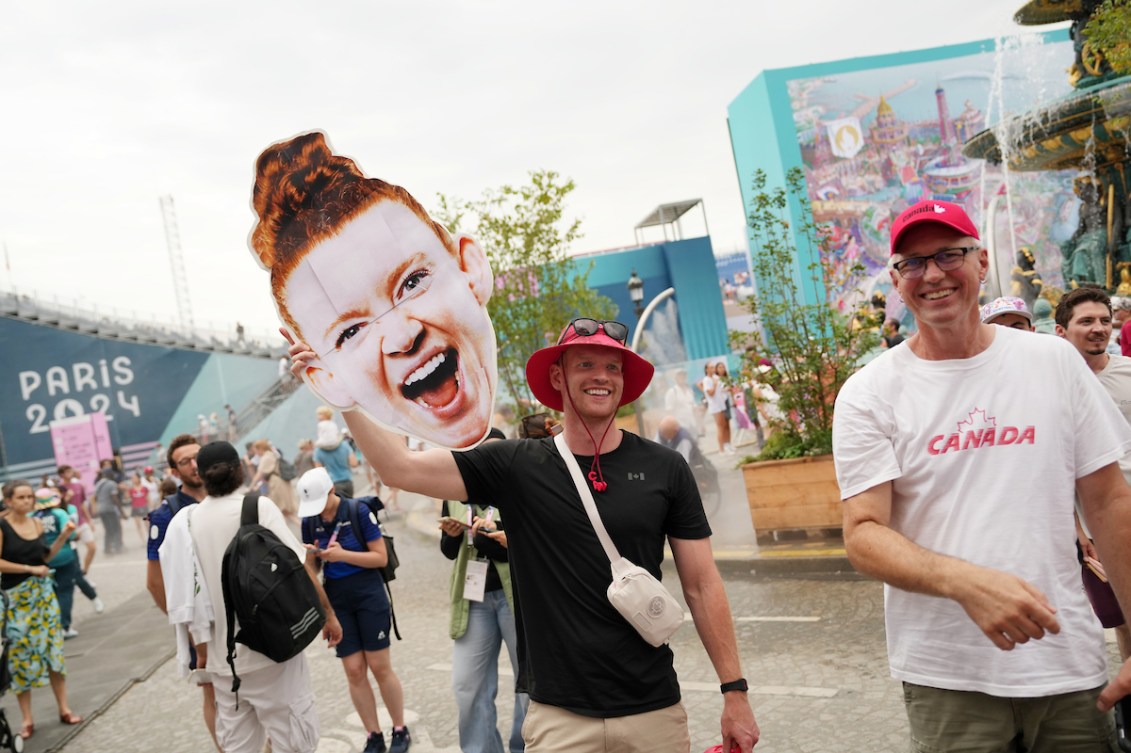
(635, 593)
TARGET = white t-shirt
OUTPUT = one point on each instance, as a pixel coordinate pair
(214, 523)
(1116, 381)
(983, 454)
(680, 402)
(329, 435)
(716, 403)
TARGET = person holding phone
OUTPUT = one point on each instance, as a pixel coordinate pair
(33, 622)
(350, 562)
(482, 619)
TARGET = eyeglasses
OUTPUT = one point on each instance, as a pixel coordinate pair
(186, 462)
(589, 327)
(945, 259)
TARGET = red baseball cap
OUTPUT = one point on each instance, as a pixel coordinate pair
(932, 210)
(636, 370)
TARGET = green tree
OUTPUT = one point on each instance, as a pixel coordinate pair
(1108, 32)
(814, 347)
(526, 235)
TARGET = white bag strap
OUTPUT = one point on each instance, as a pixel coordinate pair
(586, 498)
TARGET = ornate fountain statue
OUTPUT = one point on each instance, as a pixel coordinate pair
(1087, 131)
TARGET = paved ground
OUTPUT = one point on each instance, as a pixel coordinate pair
(812, 646)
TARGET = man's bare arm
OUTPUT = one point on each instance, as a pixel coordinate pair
(155, 584)
(707, 599)
(1106, 501)
(332, 630)
(1006, 608)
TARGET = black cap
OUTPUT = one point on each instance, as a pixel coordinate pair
(216, 452)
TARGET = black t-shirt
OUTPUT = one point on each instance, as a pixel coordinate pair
(21, 551)
(575, 650)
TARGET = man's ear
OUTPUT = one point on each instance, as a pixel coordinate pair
(1060, 331)
(556, 377)
(329, 387)
(473, 262)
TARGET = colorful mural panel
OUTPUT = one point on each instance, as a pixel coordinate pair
(874, 141)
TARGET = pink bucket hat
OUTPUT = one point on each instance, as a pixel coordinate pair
(637, 371)
(939, 212)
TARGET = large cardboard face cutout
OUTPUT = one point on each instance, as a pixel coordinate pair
(394, 306)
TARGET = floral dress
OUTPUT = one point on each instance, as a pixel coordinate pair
(33, 628)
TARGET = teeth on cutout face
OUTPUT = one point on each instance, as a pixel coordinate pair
(427, 368)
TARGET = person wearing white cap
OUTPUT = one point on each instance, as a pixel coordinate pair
(957, 455)
(1008, 311)
(595, 684)
(350, 560)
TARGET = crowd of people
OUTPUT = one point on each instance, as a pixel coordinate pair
(983, 468)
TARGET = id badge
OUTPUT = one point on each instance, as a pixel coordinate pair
(475, 580)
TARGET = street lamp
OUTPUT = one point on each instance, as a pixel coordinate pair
(636, 293)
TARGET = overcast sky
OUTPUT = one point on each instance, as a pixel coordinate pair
(108, 106)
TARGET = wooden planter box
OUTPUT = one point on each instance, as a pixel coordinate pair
(795, 494)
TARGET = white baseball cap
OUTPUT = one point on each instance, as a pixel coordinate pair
(313, 490)
(1005, 305)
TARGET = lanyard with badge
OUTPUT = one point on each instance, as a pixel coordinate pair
(475, 577)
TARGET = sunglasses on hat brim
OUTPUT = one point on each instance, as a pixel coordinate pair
(584, 327)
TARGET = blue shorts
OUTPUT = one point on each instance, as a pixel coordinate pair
(360, 603)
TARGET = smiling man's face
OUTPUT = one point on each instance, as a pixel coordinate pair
(400, 325)
(1089, 329)
(940, 297)
(591, 379)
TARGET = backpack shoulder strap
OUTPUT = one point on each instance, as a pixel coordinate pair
(230, 617)
(249, 514)
(355, 519)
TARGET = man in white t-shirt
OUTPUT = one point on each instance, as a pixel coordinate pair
(957, 456)
(1084, 318)
(276, 700)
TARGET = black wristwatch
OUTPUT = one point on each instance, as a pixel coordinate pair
(739, 684)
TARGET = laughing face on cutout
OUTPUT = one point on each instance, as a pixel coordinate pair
(399, 322)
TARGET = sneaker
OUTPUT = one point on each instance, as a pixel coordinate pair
(401, 740)
(70, 633)
(99, 607)
(375, 743)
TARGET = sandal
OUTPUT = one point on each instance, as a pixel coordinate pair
(27, 730)
(70, 718)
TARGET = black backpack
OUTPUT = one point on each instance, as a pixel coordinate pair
(267, 588)
(286, 469)
(389, 571)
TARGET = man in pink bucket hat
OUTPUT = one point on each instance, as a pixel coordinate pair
(593, 681)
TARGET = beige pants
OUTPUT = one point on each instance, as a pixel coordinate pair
(549, 729)
(276, 701)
